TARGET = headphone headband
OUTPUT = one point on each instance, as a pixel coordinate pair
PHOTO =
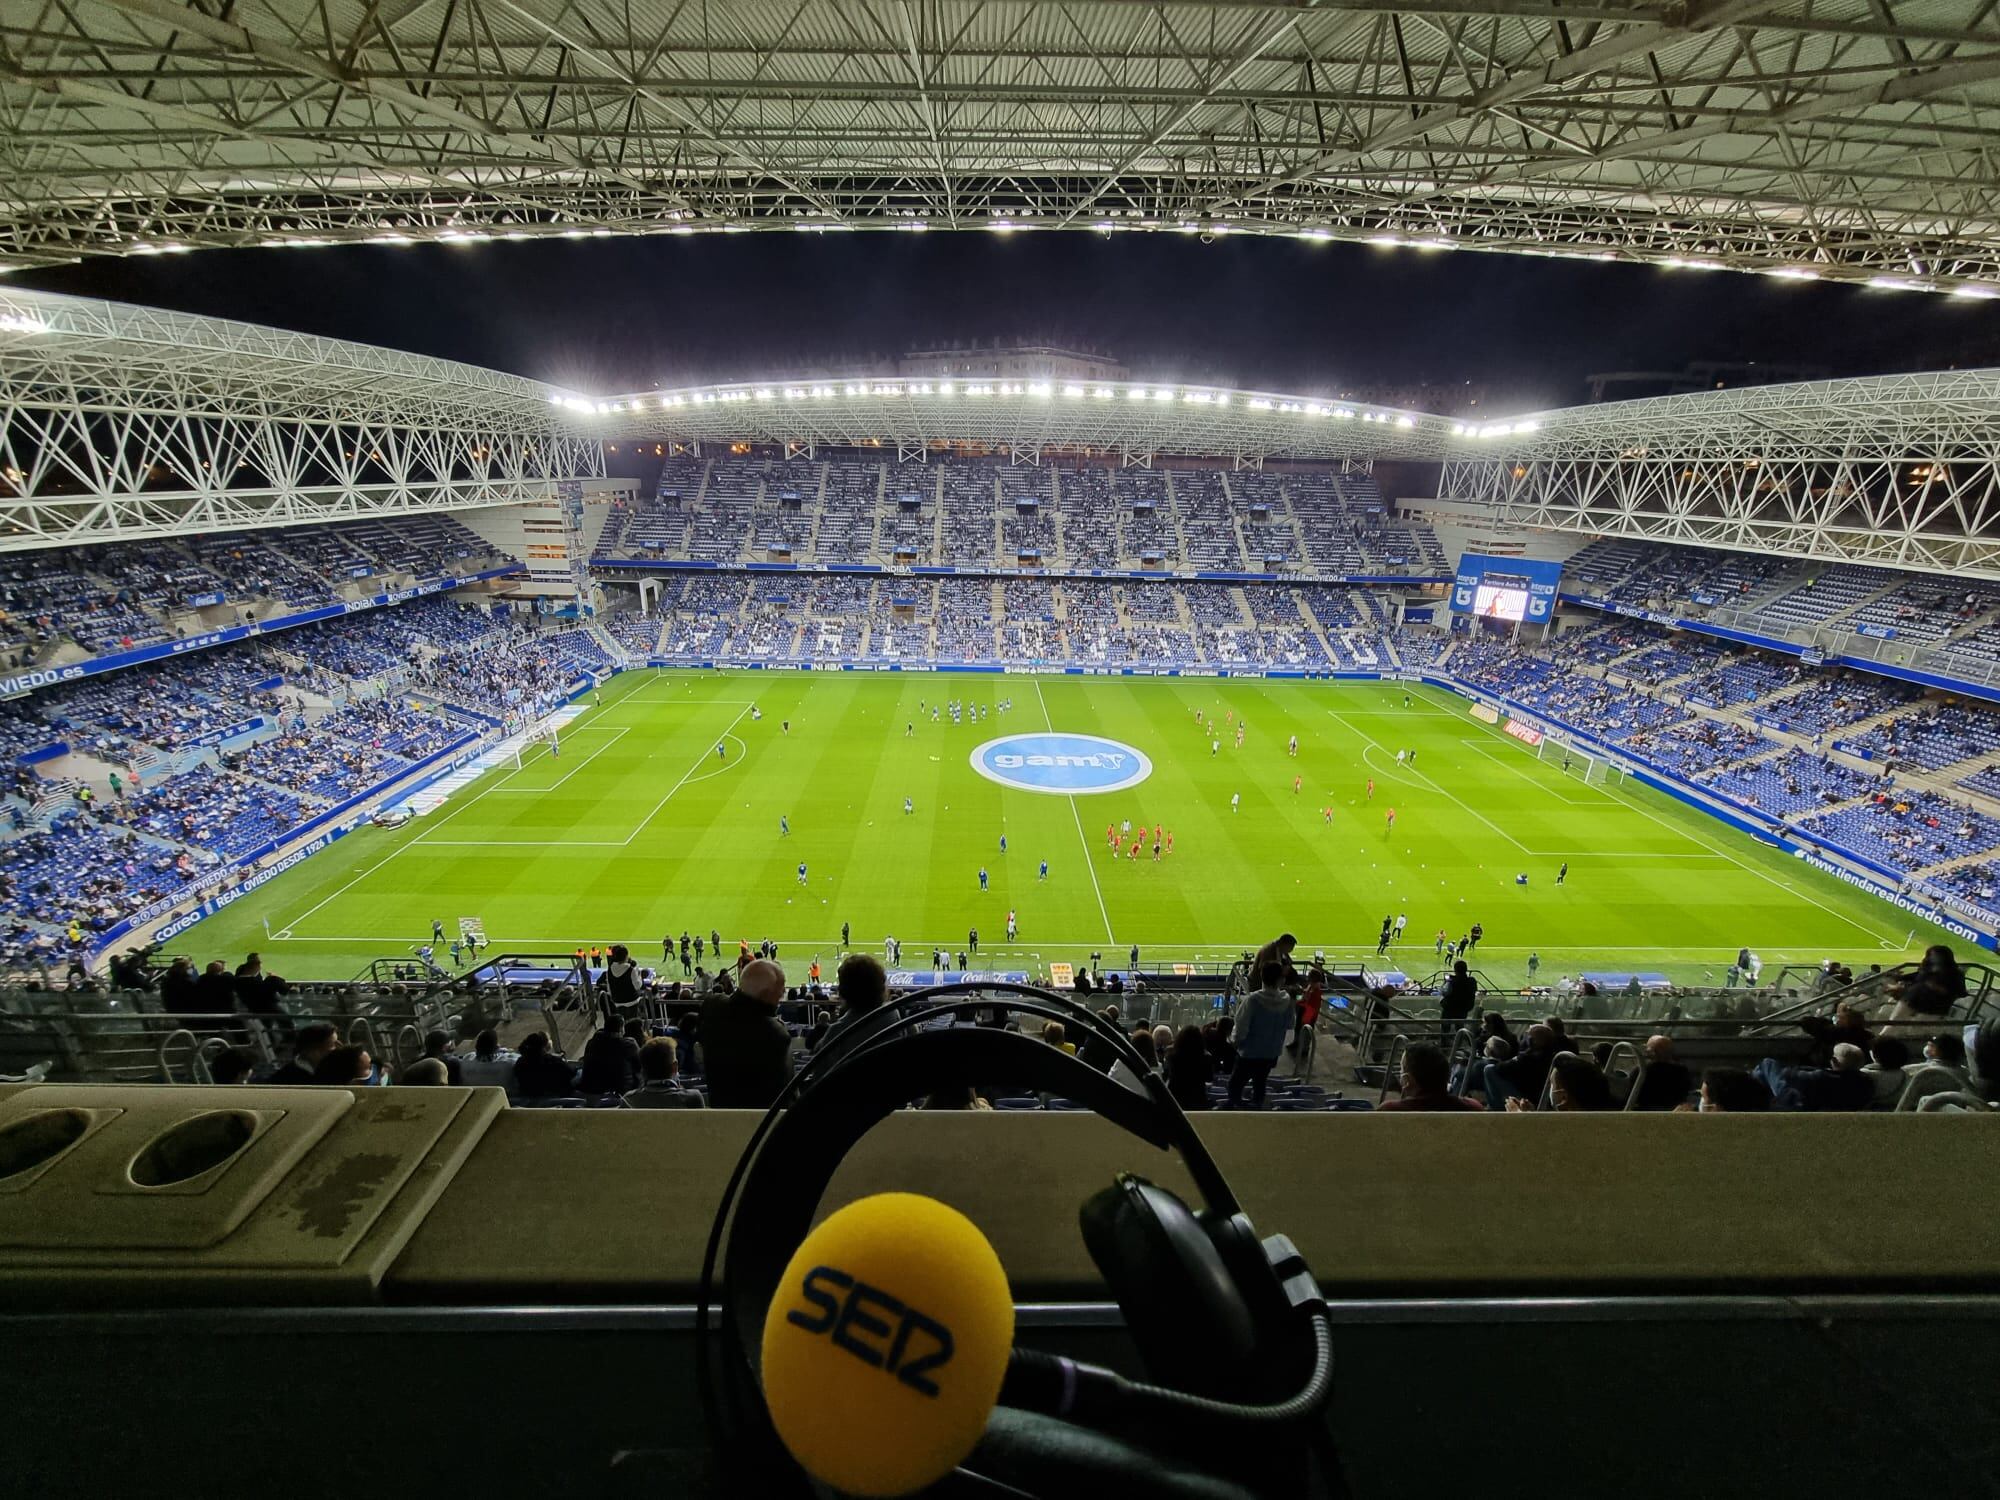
(871, 1069)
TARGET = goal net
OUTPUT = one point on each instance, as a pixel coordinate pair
(1573, 760)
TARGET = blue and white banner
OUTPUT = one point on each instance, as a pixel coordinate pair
(1516, 589)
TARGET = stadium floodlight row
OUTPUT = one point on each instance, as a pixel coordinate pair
(1785, 138)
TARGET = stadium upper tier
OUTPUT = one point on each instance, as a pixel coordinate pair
(984, 515)
(65, 602)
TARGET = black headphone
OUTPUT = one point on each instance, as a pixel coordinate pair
(1232, 1327)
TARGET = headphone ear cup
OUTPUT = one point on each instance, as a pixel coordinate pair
(1181, 1304)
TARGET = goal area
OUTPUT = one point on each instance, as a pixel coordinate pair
(1573, 760)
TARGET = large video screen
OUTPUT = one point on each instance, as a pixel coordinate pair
(1496, 603)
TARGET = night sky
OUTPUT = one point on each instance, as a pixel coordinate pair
(603, 316)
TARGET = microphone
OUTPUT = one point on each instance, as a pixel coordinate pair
(886, 1343)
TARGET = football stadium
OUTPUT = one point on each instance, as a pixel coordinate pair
(483, 847)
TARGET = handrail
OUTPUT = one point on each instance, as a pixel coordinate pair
(166, 1068)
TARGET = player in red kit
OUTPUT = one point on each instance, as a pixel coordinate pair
(1371, 788)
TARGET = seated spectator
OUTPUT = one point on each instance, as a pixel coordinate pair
(1576, 1086)
(660, 1068)
(1163, 1041)
(437, 1045)
(1518, 1077)
(954, 1096)
(1142, 1043)
(1057, 1035)
(1942, 1071)
(1426, 1083)
(231, 1065)
(1926, 997)
(425, 1072)
(1843, 1086)
(540, 1073)
(1493, 1024)
(1666, 1082)
(862, 985)
(315, 1040)
(1189, 1067)
(1262, 1020)
(1097, 1049)
(351, 1066)
(1887, 1071)
(610, 1061)
(490, 1065)
(1731, 1091)
(1847, 1028)
(744, 1045)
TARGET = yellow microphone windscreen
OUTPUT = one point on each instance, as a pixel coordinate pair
(885, 1345)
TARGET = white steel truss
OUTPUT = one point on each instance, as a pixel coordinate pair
(1901, 470)
(126, 422)
(121, 422)
(1849, 139)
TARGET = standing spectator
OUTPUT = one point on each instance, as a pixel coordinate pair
(1215, 1036)
(256, 991)
(1426, 1083)
(1461, 993)
(1667, 1081)
(744, 1044)
(315, 1040)
(621, 981)
(540, 1072)
(1189, 1067)
(610, 1061)
(215, 991)
(1261, 1023)
(660, 1069)
(180, 989)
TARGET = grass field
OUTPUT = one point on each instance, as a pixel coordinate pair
(637, 830)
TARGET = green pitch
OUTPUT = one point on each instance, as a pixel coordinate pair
(637, 829)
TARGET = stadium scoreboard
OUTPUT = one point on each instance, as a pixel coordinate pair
(1519, 590)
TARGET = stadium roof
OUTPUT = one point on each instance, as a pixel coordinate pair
(1837, 138)
(120, 421)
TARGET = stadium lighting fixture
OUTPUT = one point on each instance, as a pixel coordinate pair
(1317, 236)
(1793, 273)
(1433, 244)
(947, 388)
(1899, 284)
(1386, 241)
(1975, 293)
(822, 392)
(1136, 393)
(1040, 388)
(763, 395)
(1405, 422)
(1259, 403)
(1073, 392)
(1002, 226)
(1102, 393)
(1345, 415)
(915, 226)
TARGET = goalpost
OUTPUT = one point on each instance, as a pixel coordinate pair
(1573, 760)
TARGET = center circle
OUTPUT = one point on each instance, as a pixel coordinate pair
(1064, 765)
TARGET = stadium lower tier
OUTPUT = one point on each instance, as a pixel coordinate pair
(1028, 822)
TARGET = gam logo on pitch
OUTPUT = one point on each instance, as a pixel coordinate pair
(1065, 765)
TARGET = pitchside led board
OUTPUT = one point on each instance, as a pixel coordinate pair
(1517, 590)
